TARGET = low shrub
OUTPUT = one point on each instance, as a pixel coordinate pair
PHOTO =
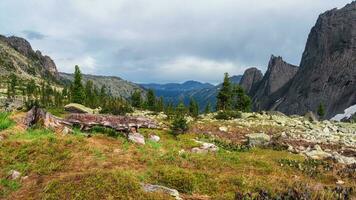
(227, 115)
(179, 125)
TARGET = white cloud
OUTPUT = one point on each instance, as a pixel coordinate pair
(122, 36)
(87, 64)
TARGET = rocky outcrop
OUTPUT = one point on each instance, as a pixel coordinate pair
(250, 79)
(21, 45)
(327, 71)
(36, 62)
(277, 77)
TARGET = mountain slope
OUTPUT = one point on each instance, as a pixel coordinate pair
(327, 71)
(115, 85)
(18, 57)
(278, 74)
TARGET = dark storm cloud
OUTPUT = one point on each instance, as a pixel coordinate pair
(165, 40)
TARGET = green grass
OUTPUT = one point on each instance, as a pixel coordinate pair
(5, 121)
(33, 134)
(59, 112)
(7, 186)
(99, 185)
(106, 166)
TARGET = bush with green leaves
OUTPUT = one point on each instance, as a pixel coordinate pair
(179, 124)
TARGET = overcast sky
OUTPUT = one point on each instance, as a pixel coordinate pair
(164, 40)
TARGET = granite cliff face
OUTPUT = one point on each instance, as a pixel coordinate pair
(251, 79)
(327, 71)
(277, 76)
(17, 56)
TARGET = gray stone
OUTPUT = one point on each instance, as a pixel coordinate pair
(155, 138)
(158, 188)
(258, 139)
(205, 147)
(14, 175)
(223, 129)
(136, 138)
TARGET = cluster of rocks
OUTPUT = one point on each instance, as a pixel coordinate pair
(140, 139)
(301, 133)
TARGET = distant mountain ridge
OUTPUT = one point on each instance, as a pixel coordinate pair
(186, 86)
(203, 93)
(116, 86)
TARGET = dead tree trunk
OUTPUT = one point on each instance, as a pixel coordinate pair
(87, 121)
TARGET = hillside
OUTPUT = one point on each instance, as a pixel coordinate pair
(115, 85)
(18, 57)
(254, 155)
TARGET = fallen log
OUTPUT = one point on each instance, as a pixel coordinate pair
(87, 121)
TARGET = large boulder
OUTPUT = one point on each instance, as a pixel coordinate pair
(136, 138)
(78, 108)
(258, 139)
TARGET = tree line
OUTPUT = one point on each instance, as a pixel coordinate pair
(230, 97)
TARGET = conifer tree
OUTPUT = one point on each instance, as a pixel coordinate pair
(89, 94)
(78, 95)
(193, 108)
(136, 99)
(160, 105)
(207, 108)
(224, 97)
(179, 124)
(321, 110)
(31, 89)
(241, 101)
(151, 100)
(11, 89)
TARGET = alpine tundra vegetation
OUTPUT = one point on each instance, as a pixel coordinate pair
(287, 133)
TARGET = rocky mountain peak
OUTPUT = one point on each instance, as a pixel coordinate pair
(279, 73)
(328, 67)
(21, 45)
(44, 63)
(250, 79)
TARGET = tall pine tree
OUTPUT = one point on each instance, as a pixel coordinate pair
(78, 95)
(136, 99)
(224, 97)
(193, 108)
(151, 100)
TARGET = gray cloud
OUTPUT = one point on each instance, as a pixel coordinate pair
(163, 41)
(33, 35)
